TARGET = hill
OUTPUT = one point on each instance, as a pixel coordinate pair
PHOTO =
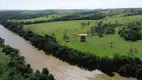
(95, 44)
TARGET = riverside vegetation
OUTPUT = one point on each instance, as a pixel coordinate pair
(125, 65)
(15, 67)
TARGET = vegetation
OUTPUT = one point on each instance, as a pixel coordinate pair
(94, 44)
(64, 18)
(90, 61)
(106, 28)
(41, 16)
(109, 28)
(131, 31)
(134, 12)
(82, 38)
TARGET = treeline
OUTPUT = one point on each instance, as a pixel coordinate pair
(17, 69)
(129, 31)
(7, 15)
(133, 12)
(125, 65)
(102, 29)
(81, 16)
(78, 16)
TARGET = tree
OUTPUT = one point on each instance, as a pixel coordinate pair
(88, 23)
(111, 44)
(136, 50)
(131, 51)
(28, 69)
(45, 71)
(66, 37)
(139, 74)
(101, 29)
(51, 77)
(83, 25)
(1, 42)
(82, 38)
(131, 32)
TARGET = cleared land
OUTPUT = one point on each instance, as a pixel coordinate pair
(96, 45)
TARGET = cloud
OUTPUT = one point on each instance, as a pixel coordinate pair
(1, 2)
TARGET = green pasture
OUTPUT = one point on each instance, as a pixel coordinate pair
(3, 57)
(95, 45)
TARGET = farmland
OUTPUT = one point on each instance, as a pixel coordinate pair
(95, 45)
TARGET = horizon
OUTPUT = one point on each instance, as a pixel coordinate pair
(73, 9)
(68, 4)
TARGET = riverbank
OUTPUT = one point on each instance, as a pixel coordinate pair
(15, 68)
(38, 60)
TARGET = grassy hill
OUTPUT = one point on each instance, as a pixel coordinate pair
(95, 45)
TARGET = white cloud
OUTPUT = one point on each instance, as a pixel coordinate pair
(68, 4)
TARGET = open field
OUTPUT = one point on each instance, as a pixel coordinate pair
(96, 45)
(3, 57)
(3, 62)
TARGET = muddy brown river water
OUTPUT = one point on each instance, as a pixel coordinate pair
(61, 70)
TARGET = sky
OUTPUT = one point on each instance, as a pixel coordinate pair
(68, 4)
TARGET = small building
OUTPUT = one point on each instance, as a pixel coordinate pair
(81, 35)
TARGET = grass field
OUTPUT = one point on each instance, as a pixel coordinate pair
(95, 45)
(3, 62)
(3, 57)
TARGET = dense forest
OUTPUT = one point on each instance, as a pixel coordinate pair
(126, 66)
(17, 69)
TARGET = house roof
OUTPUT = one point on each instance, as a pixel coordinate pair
(82, 34)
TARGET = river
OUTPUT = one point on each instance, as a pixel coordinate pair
(39, 60)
